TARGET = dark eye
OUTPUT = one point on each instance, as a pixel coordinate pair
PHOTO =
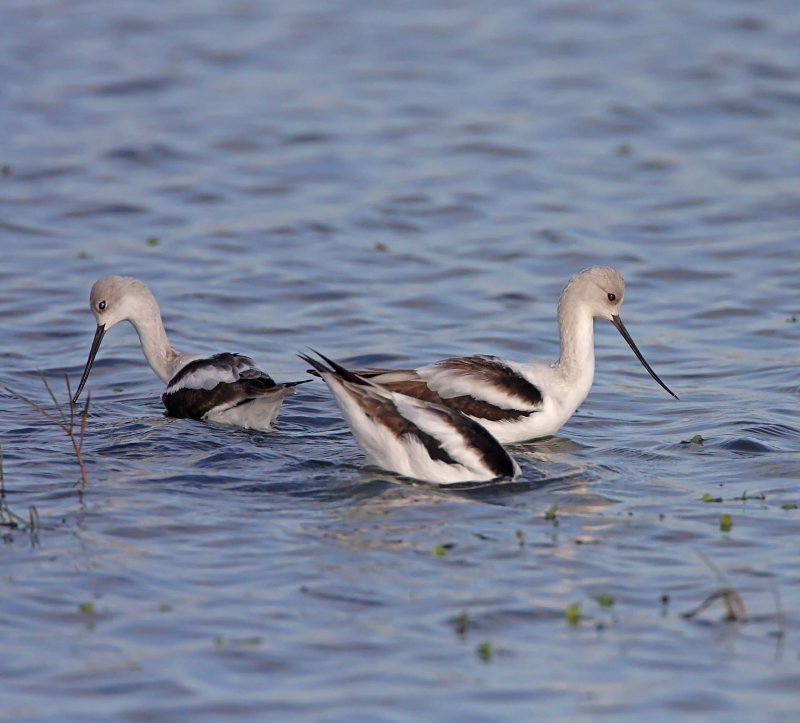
(612, 297)
(102, 305)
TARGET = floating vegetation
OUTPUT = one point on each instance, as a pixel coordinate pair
(573, 613)
(744, 497)
(725, 523)
(551, 514)
(697, 439)
(153, 241)
(604, 600)
(441, 550)
(87, 608)
(381, 247)
(484, 651)
(67, 422)
(788, 506)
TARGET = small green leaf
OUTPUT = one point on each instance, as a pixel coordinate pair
(441, 550)
(605, 601)
(550, 514)
(87, 608)
(697, 439)
(484, 651)
(573, 613)
(708, 497)
(152, 241)
(725, 523)
(117, 389)
(788, 506)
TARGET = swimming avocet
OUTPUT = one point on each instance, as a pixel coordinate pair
(517, 401)
(413, 437)
(223, 388)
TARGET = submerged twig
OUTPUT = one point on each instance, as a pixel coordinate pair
(734, 605)
(65, 424)
(781, 631)
(8, 518)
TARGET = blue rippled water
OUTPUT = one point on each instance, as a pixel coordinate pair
(392, 184)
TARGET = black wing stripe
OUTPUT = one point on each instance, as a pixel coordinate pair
(492, 453)
(496, 373)
(221, 361)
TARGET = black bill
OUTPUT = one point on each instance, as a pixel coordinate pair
(616, 321)
(98, 337)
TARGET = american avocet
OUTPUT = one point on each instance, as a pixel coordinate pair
(517, 401)
(223, 388)
(413, 437)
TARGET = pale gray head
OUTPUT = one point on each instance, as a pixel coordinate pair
(120, 298)
(114, 299)
(600, 290)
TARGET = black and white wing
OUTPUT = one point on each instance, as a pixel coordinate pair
(414, 437)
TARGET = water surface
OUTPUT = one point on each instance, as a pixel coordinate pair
(391, 185)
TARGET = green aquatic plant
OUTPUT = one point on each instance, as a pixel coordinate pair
(605, 600)
(697, 439)
(484, 651)
(708, 497)
(152, 241)
(441, 550)
(725, 523)
(573, 613)
(550, 514)
(9, 518)
(788, 506)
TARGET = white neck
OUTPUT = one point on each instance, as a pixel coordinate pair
(162, 358)
(576, 328)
